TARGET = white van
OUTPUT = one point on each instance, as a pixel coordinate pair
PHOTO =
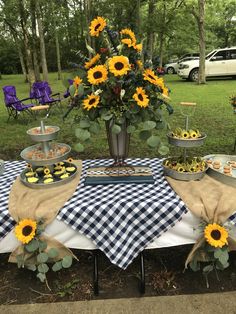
(219, 62)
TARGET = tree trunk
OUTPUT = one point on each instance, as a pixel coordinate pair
(22, 63)
(150, 34)
(138, 20)
(41, 41)
(58, 56)
(201, 28)
(34, 41)
(87, 9)
(31, 76)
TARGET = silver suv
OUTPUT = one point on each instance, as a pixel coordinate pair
(219, 62)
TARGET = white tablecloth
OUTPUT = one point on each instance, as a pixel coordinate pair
(184, 232)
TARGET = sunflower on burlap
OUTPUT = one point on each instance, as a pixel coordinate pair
(33, 211)
(214, 202)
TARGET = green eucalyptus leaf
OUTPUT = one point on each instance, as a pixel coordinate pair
(208, 268)
(57, 266)
(107, 116)
(20, 260)
(79, 147)
(84, 124)
(144, 135)
(116, 129)
(95, 128)
(72, 90)
(149, 125)
(41, 276)
(153, 141)
(80, 90)
(32, 246)
(131, 129)
(32, 267)
(163, 150)
(67, 261)
(42, 245)
(223, 258)
(42, 258)
(43, 268)
(218, 253)
(82, 134)
(194, 265)
(52, 253)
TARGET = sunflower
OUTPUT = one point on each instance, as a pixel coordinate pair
(25, 230)
(139, 64)
(46, 170)
(97, 74)
(184, 134)
(138, 47)
(150, 76)
(165, 91)
(216, 235)
(180, 169)
(92, 61)
(127, 41)
(70, 160)
(141, 97)
(91, 101)
(193, 134)
(97, 26)
(127, 31)
(77, 81)
(119, 65)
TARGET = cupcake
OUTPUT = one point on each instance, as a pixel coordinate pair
(30, 174)
(48, 180)
(70, 169)
(216, 164)
(64, 176)
(32, 180)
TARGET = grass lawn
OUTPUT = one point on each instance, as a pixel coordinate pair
(213, 115)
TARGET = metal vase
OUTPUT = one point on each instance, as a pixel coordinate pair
(118, 143)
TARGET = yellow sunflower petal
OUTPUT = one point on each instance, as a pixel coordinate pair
(77, 81)
(138, 47)
(149, 75)
(97, 75)
(91, 101)
(91, 62)
(25, 230)
(141, 97)
(119, 65)
(97, 26)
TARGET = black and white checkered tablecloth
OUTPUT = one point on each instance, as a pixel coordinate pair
(120, 219)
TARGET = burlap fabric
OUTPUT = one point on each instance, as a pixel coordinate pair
(41, 204)
(208, 199)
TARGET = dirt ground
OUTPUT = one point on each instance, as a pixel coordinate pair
(163, 273)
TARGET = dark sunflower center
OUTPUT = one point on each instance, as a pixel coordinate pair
(27, 230)
(151, 77)
(92, 101)
(97, 74)
(119, 66)
(185, 135)
(140, 97)
(97, 26)
(215, 234)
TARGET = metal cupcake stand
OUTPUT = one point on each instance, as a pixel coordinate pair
(185, 144)
(46, 154)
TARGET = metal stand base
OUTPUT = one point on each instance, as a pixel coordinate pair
(95, 273)
(142, 274)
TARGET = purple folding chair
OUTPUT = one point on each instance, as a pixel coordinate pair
(14, 105)
(42, 93)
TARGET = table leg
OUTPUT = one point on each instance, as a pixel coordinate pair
(142, 274)
(95, 272)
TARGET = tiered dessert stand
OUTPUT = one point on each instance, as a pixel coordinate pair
(47, 165)
(185, 144)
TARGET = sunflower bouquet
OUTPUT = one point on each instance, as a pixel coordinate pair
(34, 253)
(116, 85)
(212, 251)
